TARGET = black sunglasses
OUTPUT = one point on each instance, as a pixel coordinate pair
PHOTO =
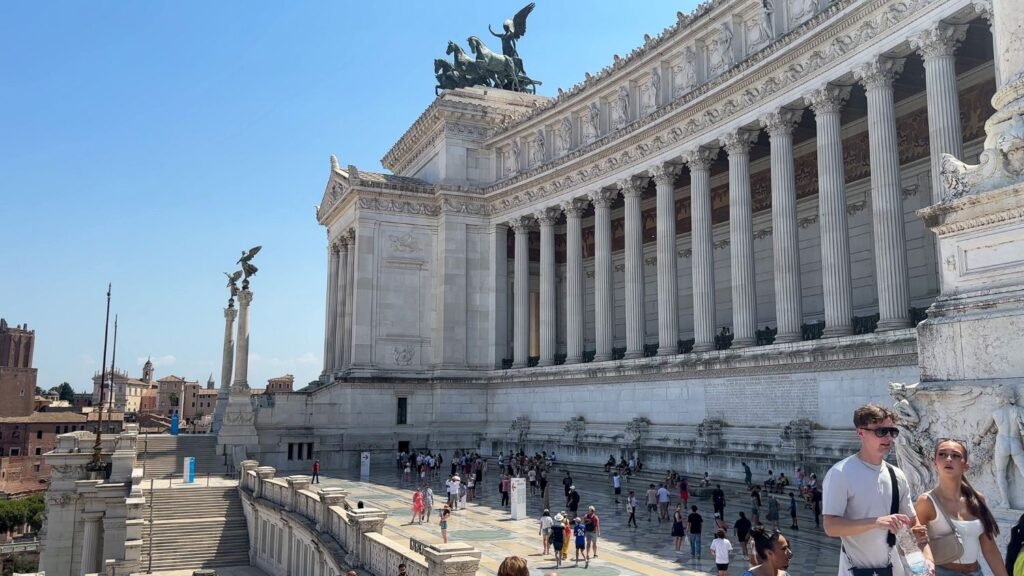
(884, 431)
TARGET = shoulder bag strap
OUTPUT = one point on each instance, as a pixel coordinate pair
(894, 508)
(942, 511)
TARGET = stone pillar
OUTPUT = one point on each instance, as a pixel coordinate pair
(936, 46)
(329, 497)
(741, 238)
(295, 484)
(329, 321)
(90, 542)
(226, 366)
(361, 522)
(603, 314)
(341, 297)
(498, 283)
(835, 237)
(886, 194)
(332, 310)
(548, 321)
(664, 176)
(241, 381)
(452, 559)
(785, 239)
(574, 279)
(350, 296)
(632, 190)
(703, 257)
(521, 302)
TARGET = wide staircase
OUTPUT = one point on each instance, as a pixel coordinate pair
(194, 528)
(162, 455)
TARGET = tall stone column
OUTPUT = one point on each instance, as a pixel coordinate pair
(603, 315)
(241, 381)
(498, 284)
(664, 176)
(90, 542)
(574, 210)
(226, 366)
(741, 238)
(703, 260)
(548, 321)
(785, 239)
(636, 319)
(330, 326)
(827, 103)
(886, 194)
(340, 335)
(350, 297)
(521, 300)
(937, 45)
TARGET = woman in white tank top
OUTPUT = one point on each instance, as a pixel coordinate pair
(962, 508)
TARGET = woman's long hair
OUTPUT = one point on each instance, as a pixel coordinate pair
(764, 540)
(975, 500)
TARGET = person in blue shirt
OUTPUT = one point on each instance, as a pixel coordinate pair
(579, 531)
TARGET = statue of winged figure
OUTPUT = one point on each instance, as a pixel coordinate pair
(514, 30)
(246, 261)
(233, 281)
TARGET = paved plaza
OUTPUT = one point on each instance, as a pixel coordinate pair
(647, 550)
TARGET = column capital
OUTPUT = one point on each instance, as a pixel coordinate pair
(230, 313)
(521, 224)
(828, 99)
(700, 158)
(547, 216)
(244, 297)
(737, 141)
(334, 247)
(575, 207)
(940, 39)
(879, 73)
(664, 173)
(632, 187)
(781, 121)
(602, 198)
(984, 9)
(344, 242)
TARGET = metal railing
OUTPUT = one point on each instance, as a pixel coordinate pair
(25, 546)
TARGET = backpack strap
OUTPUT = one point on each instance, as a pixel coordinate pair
(894, 508)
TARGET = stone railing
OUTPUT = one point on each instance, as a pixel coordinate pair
(296, 529)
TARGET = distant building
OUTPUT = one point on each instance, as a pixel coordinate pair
(176, 395)
(280, 384)
(17, 376)
(128, 391)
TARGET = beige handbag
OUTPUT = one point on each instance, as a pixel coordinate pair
(949, 548)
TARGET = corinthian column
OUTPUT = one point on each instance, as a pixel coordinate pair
(632, 190)
(835, 237)
(741, 237)
(886, 194)
(668, 292)
(241, 381)
(603, 317)
(785, 241)
(547, 218)
(937, 45)
(703, 248)
(229, 345)
(350, 297)
(574, 210)
(521, 300)
(340, 335)
(330, 326)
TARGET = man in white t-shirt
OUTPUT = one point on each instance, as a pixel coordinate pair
(857, 498)
(663, 499)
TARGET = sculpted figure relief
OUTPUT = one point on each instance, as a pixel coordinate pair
(516, 156)
(565, 135)
(684, 74)
(620, 108)
(1005, 423)
(590, 123)
(537, 150)
(761, 31)
(802, 9)
(913, 446)
(649, 95)
(720, 52)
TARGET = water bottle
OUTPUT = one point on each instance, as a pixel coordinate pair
(911, 552)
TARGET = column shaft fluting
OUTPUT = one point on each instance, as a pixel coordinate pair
(741, 239)
(90, 544)
(229, 346)
(785, 235)
(703, 258)
(521, 298)
(574, 280)
(350, 297)
(330, 321)
(835, 238)
(548, 319)
(668, 282)
(603, 315)
(635, 315)
(242, 342)
(886, 194)
(340, 335)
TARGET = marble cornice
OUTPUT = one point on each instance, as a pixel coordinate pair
(680, 123)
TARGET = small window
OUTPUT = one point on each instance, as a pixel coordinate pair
(57, 430)
(15, 451)
(291, 451)
(36, 468)
(39, 434)
(403, 411)
(65, 429)
(39, 451)
(309, 451)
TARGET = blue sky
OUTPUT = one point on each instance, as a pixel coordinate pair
(148, 143)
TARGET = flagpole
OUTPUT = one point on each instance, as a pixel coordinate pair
(96, 462)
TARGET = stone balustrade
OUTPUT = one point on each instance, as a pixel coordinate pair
(298, 530)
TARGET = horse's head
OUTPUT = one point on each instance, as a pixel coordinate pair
(439, 65)
(474, 44)
(452, 48)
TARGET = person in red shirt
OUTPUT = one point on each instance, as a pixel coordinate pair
(592, 526)
(316, 471)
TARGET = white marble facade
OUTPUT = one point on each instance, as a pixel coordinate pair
(755, 165)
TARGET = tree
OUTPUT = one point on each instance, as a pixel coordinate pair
(66, 392)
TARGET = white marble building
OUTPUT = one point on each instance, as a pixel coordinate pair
(741, 170)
